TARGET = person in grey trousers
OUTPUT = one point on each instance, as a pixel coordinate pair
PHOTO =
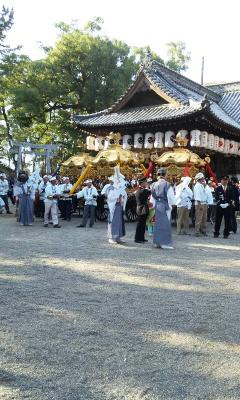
(89, 193)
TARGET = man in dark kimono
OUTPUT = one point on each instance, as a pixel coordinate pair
(142, 195)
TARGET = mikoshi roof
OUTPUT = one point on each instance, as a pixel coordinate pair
(78, 161)
(180, 97)
(115, 154)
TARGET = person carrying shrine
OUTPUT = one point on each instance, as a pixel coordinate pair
(201, 205)
(4, 187)
(24, 191)
(163, 194)
(66, 199)
(90, 194)
(224, 196)
(183, 201)
(142, 194)
(52, 194)
(116, 199)
(107, 187)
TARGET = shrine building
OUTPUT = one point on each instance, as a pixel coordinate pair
(162, 103)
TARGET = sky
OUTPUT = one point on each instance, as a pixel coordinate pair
(210, 28)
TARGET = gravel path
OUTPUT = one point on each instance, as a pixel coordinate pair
(83, 320)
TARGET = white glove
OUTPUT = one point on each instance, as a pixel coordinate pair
(224, 205)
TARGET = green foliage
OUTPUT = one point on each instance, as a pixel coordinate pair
(6, 22)
(84, 72)
(178, 56)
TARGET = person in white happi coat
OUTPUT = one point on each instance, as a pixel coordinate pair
(116, 198)
(66, 199)
(2, 205)
(183, 201)
(106, 187)
(24, 190)
(52, 194)
(41, 190)
(90, 194)
(201, 205)
(4, 187)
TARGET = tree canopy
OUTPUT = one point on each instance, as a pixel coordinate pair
(84, 72)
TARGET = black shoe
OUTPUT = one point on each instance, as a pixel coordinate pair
(216, 235)
(9, 212)
(80, 226)
(91, 225)
(145, 240)
(225, 237)
(57, 226)
(138, 241)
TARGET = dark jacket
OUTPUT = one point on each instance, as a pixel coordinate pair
(224, 196)
(142, 196)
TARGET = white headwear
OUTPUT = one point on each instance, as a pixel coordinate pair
(3, 175)
(185, 180)
(88, 181)
(199, 176)
(53, 178)
(118, 178)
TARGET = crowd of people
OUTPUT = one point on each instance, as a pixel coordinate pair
(157, 202)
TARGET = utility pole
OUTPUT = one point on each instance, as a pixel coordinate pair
(202, 70)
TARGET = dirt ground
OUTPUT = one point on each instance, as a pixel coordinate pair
(85, 320)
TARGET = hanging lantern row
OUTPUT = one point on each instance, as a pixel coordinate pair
(159, 140)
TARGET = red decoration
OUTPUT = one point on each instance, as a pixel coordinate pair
(211, 173)
(150, 169)
(187, 169)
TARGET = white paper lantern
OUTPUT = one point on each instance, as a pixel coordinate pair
(149, 140)
(138, 140)
(127, 142)
(231, 147)
(235, 148)
(106, 144)
(238, 148)
(195, 138)
(226, 146)
(216, 143)
(211, 141)
(169, 138)
(158, 142)
(221, 145)
(90, 143)
(204, 139)
(99, 143)
(182, 133)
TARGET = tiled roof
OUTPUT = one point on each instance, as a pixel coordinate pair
(178, 86)
(230, 98)
(136, 115)
(185, 96)
(224, 87)
(223, 116)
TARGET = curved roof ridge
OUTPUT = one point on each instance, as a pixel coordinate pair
(187, 82)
